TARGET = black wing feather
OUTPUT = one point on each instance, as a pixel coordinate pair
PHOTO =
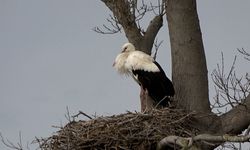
(157, 84)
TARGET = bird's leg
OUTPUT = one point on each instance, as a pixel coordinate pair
(146, 101)
(149, 101)
(143, 100)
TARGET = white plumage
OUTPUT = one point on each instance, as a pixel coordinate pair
(138, 60)
(131, 59)
(146, 71)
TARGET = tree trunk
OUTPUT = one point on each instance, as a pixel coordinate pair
(189, 69)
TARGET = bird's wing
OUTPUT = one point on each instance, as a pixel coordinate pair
(138, 60)
(165, 82)
(119, 64)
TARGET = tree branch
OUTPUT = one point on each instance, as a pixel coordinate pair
(124, 12)
(121, 10)
(189, 143)
(237, 119)
(230, 90)
(234, 92)
(115, 27)
(151, 32)
(173, 140)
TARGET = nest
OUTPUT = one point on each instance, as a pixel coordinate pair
(124, 131)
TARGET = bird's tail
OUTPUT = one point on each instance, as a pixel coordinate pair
(164, 102)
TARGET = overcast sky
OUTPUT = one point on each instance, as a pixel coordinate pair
(51, 59)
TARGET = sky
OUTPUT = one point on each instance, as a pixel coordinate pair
(51, 60)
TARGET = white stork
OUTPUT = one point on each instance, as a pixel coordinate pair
(147, 73)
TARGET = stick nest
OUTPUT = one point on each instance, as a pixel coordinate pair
(124, 131)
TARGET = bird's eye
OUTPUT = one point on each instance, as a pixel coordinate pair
(124, 49)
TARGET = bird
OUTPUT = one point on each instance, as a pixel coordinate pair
(146, 72)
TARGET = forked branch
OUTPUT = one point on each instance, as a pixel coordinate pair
(128, 15)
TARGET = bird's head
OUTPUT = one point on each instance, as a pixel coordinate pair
(128, 47)
(120, 59)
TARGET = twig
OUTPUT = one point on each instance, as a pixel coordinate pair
(230, 89)
(11, 145)
(244, 53)
(82, 113)
(157, 46)
(67, 115)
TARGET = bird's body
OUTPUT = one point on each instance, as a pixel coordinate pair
(147, 73)
(138, 60)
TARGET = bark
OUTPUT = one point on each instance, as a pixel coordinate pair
(237, 119)
(189, 69)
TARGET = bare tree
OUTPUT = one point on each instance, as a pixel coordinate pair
(189, 72)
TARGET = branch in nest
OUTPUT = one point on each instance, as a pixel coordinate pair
(82, 113)
(189, 142)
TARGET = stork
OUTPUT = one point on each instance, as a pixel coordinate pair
(146, 72)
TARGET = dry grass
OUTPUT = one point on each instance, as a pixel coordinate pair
(124, 131)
